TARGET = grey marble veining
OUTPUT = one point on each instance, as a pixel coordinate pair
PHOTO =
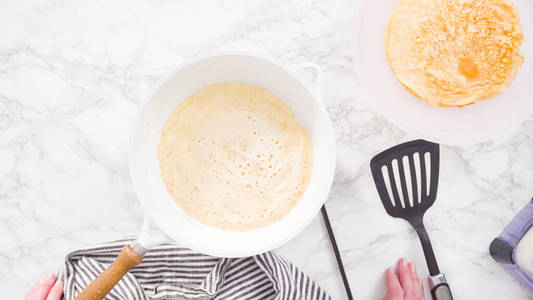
(72, 78)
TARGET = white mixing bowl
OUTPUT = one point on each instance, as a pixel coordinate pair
(146, 174)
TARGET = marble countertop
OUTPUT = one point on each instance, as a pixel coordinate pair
(72, 78)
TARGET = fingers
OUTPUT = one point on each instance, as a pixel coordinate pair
(57, 291)
(406, 285)
(419, 289)
(42, 288)
(392, 280)
(406, 279)
(412, 269)
(394, 289)
(412, 286)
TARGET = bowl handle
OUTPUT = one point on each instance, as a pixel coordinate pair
(147, 240)
(312, 74)
(129, 257)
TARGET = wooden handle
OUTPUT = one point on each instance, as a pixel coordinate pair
(98, 289)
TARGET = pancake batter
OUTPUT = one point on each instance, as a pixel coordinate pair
(234, 156)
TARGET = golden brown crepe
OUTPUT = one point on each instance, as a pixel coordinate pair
(454, 52)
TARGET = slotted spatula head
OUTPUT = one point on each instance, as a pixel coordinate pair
(406, 177)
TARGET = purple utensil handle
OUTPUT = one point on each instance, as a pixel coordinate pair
(519, 226)
(502, 248)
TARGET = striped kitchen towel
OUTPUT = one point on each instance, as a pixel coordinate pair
(171, 272)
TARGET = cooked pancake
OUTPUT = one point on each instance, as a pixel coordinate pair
(233, 156)
(454, 52)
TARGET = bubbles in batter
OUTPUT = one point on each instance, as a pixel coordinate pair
(234, 156)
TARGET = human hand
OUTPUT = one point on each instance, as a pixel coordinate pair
(406, 285)
(48, 288)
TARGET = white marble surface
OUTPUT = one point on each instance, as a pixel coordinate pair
(72, 77)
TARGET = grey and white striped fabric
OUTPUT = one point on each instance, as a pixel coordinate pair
(171, 272)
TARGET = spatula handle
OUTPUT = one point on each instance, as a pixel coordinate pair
(98, 289)
(440, 290)
(426, 246)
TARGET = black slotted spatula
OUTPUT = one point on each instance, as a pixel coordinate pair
(406, 177)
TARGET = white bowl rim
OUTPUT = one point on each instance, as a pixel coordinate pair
(315, 98)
